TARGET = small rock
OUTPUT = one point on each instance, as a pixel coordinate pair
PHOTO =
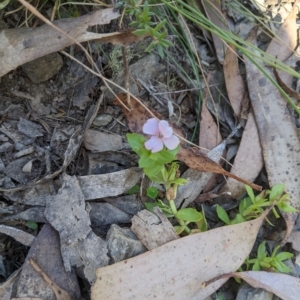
(2, 166)
(123, 244)
(98, 141)
(29, 128)
(102, 120)
(106, 214)
(5, 147)
(128, 203)
(14, 170)
(146, 69)
(247, 292)
(28, 167)
(43, 68)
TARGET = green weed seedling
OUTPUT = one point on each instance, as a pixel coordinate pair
(253, 206)
(158, 161)
(143, 17)
(273, 263)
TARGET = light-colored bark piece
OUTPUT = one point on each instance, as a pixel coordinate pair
(153, 230)
(248, 161)
(80, 247)
(109, 185)
(277, 133)
(97, 141)
(20, 45)
(179, 269)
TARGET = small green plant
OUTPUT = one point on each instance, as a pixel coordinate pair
(145, 26)
(273, 263)
(253, 206)
(158, 160)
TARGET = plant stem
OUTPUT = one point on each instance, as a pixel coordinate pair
(174, 212)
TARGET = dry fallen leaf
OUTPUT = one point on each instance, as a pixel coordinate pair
(294, 238)
(60, 294)
(178, 269)
(214, 14)
(248, 161)
(234, 82)
(138, 115)
(6, 288)
(278, 136)
(18, 234)
(285, 41)
(284, 286)
(45, 250)
(209, 138)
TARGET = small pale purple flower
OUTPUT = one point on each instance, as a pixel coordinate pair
(162, 134)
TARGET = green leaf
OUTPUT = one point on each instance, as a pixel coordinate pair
(286, 208)
(136, 141)
(145, 160)
(222, 214)
(139, 32)
(276, 191)
(261, 251)
(250, 193)
(160, 51)
(32, 225)
(189, 214)
(202, 224)
(153, 170)
(281, 267)
(284, 255)
(179, 229)
(256, 266)
(152, 192)
(238, 219)
(163, 157)
(133, 190)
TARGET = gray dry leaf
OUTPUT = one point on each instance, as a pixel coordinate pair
(209, 138)
(277, 133)
(153, 229)
(109, 185)
(19, 235)
(46, 253)
(67, 214)
(188, 192)
(21, 45)
(178, 269)
(248, 161)
(285, 41)
(284, 286)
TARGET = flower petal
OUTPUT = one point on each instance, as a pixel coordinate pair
(164, 128)
(155, 144)
(151, 127)
(171, 142)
